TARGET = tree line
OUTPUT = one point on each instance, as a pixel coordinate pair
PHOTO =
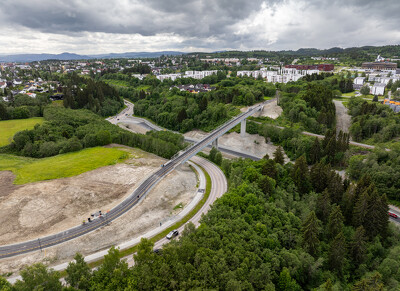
(67, 130)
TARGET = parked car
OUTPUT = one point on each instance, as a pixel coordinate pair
(393, 215)
(172, 234)
(158, 251)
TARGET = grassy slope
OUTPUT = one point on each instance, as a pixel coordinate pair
(29, 170)
(10, 127)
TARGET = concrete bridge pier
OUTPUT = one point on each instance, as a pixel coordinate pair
(215, 143)
(243, 128)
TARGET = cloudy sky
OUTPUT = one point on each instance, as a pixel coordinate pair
(104, 26)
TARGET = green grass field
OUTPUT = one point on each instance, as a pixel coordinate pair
(118, 83)
(10, 127)
(29, 170)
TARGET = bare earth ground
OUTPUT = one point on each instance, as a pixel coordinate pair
(139, 127)
(343, 119)
(271, 110)
(79, 196)
(253, 144)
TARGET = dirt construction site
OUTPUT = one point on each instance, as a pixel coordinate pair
(38, 209)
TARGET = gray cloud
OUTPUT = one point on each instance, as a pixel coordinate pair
(199, 24)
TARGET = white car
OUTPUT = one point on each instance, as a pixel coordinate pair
(172, 234)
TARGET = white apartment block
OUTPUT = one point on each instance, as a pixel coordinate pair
(378, 89)
(199, 74)
(359, 81)
(188, 74)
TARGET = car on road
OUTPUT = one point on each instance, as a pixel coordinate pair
(393, 215)
(172, 234)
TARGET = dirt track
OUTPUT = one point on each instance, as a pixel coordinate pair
(343, 119)
(271, 110)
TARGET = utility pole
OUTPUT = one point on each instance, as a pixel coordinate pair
(40, 246)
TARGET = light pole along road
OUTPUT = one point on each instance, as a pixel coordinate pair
(133, 199)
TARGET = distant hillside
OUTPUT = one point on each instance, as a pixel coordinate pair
(361, 53)
(41, 57)
(71, 56)
(137, 55)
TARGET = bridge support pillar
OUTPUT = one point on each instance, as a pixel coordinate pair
(215, 143)
(243, 128)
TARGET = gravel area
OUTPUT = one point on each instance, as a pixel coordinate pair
(343, 119)
(79, 196)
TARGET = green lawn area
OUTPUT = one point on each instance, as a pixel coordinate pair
(29, 170)
(10, 127)
(351, 94)
(117, 83)
(143, 87)
(57, 103)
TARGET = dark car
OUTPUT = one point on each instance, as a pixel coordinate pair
(158, 251)
(393, 215)
(172, 234)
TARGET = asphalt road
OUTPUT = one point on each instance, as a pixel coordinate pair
(132, 200)
(219, 186)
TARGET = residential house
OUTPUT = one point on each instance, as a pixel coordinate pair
(3, 85)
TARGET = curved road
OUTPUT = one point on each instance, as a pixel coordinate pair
(219, 186)
(132, 200)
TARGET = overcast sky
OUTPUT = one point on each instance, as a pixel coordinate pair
(104, 26)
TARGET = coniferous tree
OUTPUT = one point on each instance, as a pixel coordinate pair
(323, 207)
(310, 232)
(203, 103)
(182, 115)
(269, 169)
(300, 175)
(347, 205)
(319, 174)
(360, 210)
(278, 156)
(335, 222)
(358, 245)
(335, 187)
(337, 253)
(267, 184)
(315, 151)
(376, 217)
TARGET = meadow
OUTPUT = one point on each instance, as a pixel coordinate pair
(10, 127)
(28, 170)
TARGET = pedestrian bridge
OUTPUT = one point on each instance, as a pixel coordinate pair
(212, 138)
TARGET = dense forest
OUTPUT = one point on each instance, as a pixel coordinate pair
(80, 92)
(67, 130)
(279, 227)
(373, 120)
